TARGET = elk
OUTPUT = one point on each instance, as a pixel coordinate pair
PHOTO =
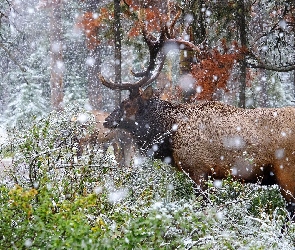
(209, 138)
(105, 137)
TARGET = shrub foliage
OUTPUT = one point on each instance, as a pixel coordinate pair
(53, 198)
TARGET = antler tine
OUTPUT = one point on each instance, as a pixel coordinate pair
(118, 86)
(146, 80)
(154, 47)
(156, 73)
(171, 27)
(134, 87)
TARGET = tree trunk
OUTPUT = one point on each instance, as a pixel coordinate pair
(242, 27)
(56, 64)
(118, 47)
(95, 89)
(120, 149)
(198, 25)
(196, 33)
(94, 84)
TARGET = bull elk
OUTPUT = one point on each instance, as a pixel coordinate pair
(210, 138)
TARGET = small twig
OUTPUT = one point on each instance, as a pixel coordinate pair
(65, 165)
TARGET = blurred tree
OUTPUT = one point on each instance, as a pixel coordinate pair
(90, 23)
(25, 66)
(26, 104)
(118, 48)
(23, 31)
(56, 64)
(7, 47)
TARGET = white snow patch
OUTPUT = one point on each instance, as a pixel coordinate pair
(283, 24)
(138, 160)
(217, 183)
(280, 153)
(3, 135)
(233, 142)
(117, 196)
(199, 89)
(95, 15)
(28, 243)
(97, 190)
(174, 127)
(56, 46)
(90, 61)
(155, 147)
(82, 118)
(167, 160)
(186, 82)
(189, 18)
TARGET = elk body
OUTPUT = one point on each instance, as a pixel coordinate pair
(214, 139)
(210, 138)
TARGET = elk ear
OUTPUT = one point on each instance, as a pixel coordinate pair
(147, 93)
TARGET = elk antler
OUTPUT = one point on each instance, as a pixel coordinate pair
(151, 73)
(134, 87)
(154, 45)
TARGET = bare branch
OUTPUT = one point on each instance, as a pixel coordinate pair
(272, 67)
(262, 65)
(14, 60)
(187, 45)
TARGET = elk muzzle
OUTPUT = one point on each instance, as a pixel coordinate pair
(114, 119)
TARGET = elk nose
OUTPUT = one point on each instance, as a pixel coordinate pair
(110, 124)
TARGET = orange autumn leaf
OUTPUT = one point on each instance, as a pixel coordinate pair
(214, 69)
(90, 23)
(151, 16)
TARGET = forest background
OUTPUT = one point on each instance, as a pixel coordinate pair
(52, 52)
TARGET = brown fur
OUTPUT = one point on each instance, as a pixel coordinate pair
(246, 143)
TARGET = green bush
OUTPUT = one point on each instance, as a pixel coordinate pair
(87, 202)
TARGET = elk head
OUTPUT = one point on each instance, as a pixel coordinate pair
(125, 116)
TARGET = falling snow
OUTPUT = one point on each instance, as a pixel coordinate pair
(51, 65)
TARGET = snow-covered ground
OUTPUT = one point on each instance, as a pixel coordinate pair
(3, 134)
(4, 167)
(4, 163)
